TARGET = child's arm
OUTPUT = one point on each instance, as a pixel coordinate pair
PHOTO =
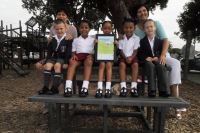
(49, 51)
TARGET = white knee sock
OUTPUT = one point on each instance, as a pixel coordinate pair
(68, 84)
(100, 85)
(123, 84)
(85, 84)
(108, 85)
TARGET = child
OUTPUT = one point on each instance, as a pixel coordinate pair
(59, 52)
(71, 33)
(107, 29)
(149, 53)
(82, 48)
(128, 50)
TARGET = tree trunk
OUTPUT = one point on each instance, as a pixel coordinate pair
(187, 53)
(119, 11)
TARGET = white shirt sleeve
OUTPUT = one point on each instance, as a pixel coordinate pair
(74, 43)
(137, 43)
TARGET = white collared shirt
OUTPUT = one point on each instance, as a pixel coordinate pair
(83, 45)
(59, 40)
(151, 42)
(129, 45)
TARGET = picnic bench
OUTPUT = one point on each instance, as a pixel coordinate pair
(59, 119)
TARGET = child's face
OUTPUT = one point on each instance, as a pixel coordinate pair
(129, 28)
(62, 15)
(107, 28)
(150, 28)
(60, 29)
(84, 29)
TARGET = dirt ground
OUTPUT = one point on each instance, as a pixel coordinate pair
(17, 115)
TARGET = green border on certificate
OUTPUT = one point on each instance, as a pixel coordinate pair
(105, 49)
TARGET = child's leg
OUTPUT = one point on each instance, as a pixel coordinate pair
(87, 71)
(47, 74)
(162, 80)
(100, 75)
(108, 75)
(70, 72)
(57, 75)
(150, 72)
(134, 74)
(122, 73)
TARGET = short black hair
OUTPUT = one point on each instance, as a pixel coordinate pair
(58, 21)
(129, 20)
(110, 22)
(62, 9)
(85, 21)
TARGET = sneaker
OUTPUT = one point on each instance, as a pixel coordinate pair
(108, 93)
(123, 92)
(83, 92)
(99, 93)
(134, 92)
(44, 90)
(68, 92)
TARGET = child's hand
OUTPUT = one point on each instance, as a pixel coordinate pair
(149, 59)
(116, 43)
(155, 59)
(49, 39)
(68, 37)
(74, 57)
(89, 57)
(129, 59)
(65, 66)
(95, 41)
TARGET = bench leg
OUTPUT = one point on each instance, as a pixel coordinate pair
(105, 119)
(159, 119)
(54, 118)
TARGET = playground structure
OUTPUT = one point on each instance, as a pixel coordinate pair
(19, 48)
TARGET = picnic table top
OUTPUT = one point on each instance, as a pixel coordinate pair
(115, 100)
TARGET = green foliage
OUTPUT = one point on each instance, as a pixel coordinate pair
(190, 20)
(93, 10)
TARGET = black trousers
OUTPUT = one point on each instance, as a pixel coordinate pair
(156, 70)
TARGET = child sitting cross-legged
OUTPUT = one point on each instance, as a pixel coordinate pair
(58, 54)
(82, 48)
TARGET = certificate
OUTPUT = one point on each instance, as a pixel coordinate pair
(105, 49)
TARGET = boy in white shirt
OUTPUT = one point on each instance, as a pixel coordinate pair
(128, 46)
(82, 50)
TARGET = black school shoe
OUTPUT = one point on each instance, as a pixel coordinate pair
(83, 92)
(53, 90)
(123, 92)
(44, 90)
(68, 92)
(108, 93)
(99, 93)
(164, 94)
(134, 92)
(152, 94)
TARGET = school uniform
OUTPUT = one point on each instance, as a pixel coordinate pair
(153, 48)
(83, 47)
(59, 51)
(127, 46)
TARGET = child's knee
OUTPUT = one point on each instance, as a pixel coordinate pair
(57, 67)
(38, 66)
(109, 66)
(48, 66)
(102, 66)
(134, 65)
(89, 61)
(122, 65)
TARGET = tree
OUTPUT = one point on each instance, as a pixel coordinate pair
(93, 10)
(189, 20)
